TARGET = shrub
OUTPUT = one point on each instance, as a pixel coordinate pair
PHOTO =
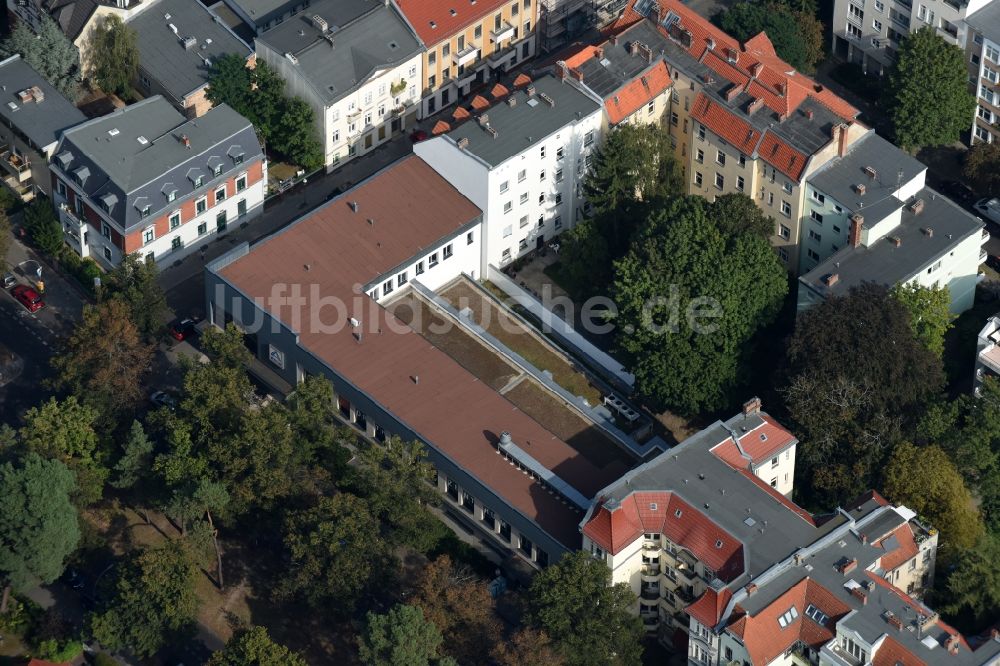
(50, 650)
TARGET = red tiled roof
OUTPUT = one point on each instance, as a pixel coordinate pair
(760, 443)
(480, 103)
(412, 207)
(460, 113)
(582, 56)
(894, 653)
(440, 127)
(781, 156)
(918, 607)
(613, 530)
(765, 638)
(499, 90)
(725, 123)
(637, 93)
(448, 16)
(904, 552)
(710, 606)
(521, 80)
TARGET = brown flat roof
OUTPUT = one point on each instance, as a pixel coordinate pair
(412, 208)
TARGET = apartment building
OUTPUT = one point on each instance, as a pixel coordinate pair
(983, 51)
(730, 571)
(408, 229)
(626, 72)
(34, 114)
(261, 15)
(987, 353)
(178, 42)
(869, 32)
(145, 179)
(522, 162)
(468, 44)
(742, 120)
(871, 218)
(359, 67)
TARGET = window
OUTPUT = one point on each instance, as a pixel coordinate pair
(175, 220)
(387, 287)
(560, 151)
(220, 222)
(877, 25)
(697, 178)
(507, 231)
(217, 170)
(784, 231)
(787, 187)
(148, 235)
(855, 12)
(368, 118)
(176, 243)
(699, 156)
(144, 212)
(818, 197)
(447, 251)
(61, 188)
(522, 244)
(743, 160)
(524, 221)
(720, 158)
(720, 181)
(198, 180)
(854, 649)
(505, 255)
(791, 614)
(107, 253)
(786, 209)
(504, 186)
(816, 217)
(508, 206)
(557, 223)
(432, 260)
(522, 175)
(419, 269)
(541, 199)
(674, 119)
(588, 138)
(200, 206)
(701, 131)
(774, 462)
(559, 175)
(852, 30)
(468, 238)
(558, 198)
(203, 228)
(993, 54)
(812, 254)
(432, 58)
(740, 183)
(541, 175)
(401, 279)
(478, 33)
(220, 194)
(770, 198)
(171, 195)
(241, 183)
(524, 197)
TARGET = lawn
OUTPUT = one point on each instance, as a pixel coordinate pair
(514, 335)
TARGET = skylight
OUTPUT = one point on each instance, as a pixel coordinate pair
(816, 614)
(678, 513)
(788, 617)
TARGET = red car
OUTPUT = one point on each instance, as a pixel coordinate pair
(28, 297)
(183, 329)
(418, 135)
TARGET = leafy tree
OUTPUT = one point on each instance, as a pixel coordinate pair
(114, 56)
(857, 379)
(231, 82)
(632, 168)
(968, 429)
(930, 316)
(691, 293)
(43, 227)
(136, 460)
(928, 67)
(460, 605)
(401, 637)
(974, 584)
(104, 360)
(982, 168)
(295, 134)
(589, 619)
(925, 480)
(797, 35)
(585, 260)
(65, 431)
(49, 52)
(5, 239)
(336, 554)
(254, 647)
(316, 432)
(527, 647)
(226, 347)
(134, 282)
(38, 523)
(152, 599)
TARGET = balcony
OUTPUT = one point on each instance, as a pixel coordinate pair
(982, 256)
(650, 620)
(685, 594)
(16, 165)
(650, 593)
(948, 30)
(650, 573)
(650, 545)
(469, 54)
(505, 32)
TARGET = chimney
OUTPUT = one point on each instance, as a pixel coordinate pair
(756, 69)
(781, 87)
(860, 189)
(463, 143)
(894, 621)
(576, 74)
(531, 89)
(185, 140)
(733, 92)
(484, 120)
(857, 226)
(860, 595)
(842, 141)
(751, 406)
(755, 106)
(599, 52)
(917, 207)
(562, 70)
(871, 172)
(633, 47)
(951, 644)
(847, 566)
(613, 39)
(896, 241)
(751, 588)
(831, 279)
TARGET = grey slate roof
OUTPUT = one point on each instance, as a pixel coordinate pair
(883, 263)
(987, 21)
(525, 123)
(41, 121)
(119, 163)
(162, 54)
(838, 177)
(71, 15)
(619, 66)
(262, 11)
(698, 476)
(379, 40)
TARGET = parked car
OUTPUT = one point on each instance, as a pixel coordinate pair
(418, 135)
(28, 297)
(959, 192)
(9, 280)
(163, 399)
(183, 329)
(989, 208)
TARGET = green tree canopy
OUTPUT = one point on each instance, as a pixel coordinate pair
(589, 620)
(797, 35)
(6, 234)
(136, 460)
(926, 480)
(974, 584)
(43, 227)
(336, 553)
(114, 55)
(401, 637)
(134, 282)
(857, 381)
(254, 647)
(152, 599)
(930, 316)
(982, 168)
(49, 52)
(691, 293)
(38, 523)
(929, 68)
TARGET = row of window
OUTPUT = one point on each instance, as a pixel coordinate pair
(432, 261)
(221, 221)
(200, 207)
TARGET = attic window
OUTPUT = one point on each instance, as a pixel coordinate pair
(652, 506)
(678, 513)
(788, 617)
(453, 12)
(718, 543)
(816, 614)
(433, 24)
(763, 437)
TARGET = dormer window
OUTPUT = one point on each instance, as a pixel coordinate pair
(64, 158)
(194, 175)
(144, 211)
(238, 158)
(81, 175)
(199, 181)
(237, 152)
(217, 170)
(108, 202)
(171, 195)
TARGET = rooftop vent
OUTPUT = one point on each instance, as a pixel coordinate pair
(493, 132)
(511, 101)
(166, 17)
(354, 206)
(113, 131)
(173, 28)
(710, 43)
(292, 59)
(896, 241)
(548, 100)
(190, 43)
(12, 106)
(185, 140)
(453, 12)
(463, 142)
